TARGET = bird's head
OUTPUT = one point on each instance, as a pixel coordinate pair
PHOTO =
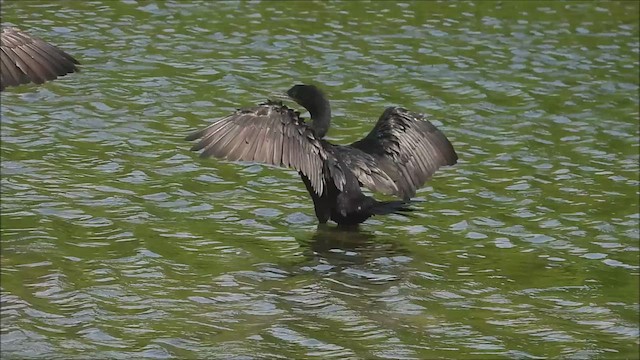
(316, 103)
(308, 96)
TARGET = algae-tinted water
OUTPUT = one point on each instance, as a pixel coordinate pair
(117, 242)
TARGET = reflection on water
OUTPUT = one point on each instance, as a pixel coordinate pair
(117, 242)
(351, 251)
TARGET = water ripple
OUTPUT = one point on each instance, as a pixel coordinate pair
(118, 242)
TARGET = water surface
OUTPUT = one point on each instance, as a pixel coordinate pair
(117, 242)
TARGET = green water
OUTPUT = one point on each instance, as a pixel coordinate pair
(117, 242)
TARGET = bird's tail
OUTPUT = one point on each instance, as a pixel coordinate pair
(393, 207)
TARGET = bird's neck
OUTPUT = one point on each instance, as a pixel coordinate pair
(320, 118)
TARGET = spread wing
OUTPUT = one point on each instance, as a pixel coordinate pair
(366, 168)
(408, 148)
(269, 133)
(24, 59)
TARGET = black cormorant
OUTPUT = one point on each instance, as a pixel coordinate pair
(401, 152)
(25, 58)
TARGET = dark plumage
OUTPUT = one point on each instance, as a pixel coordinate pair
(401, 152)
(25, 59)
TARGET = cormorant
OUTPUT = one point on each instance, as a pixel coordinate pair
(25, 58)
(401, 152)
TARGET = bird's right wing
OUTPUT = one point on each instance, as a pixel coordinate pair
(269, 133)
(24, 58)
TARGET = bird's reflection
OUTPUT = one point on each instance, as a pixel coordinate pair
(340, 246)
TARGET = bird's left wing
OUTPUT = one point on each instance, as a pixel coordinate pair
(366, 168)
(408, 148)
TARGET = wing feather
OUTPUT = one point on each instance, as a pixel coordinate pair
(28, 59)
(286, 145)
(367, 169)
(224, 137)
(45, 66)
(259, 145)
(10, 73)
(24, 63)
(407, 147)
(269, 133)
(239, 146)
(276, 151)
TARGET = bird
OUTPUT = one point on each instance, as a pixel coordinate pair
(25, 58)
(400, 153)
